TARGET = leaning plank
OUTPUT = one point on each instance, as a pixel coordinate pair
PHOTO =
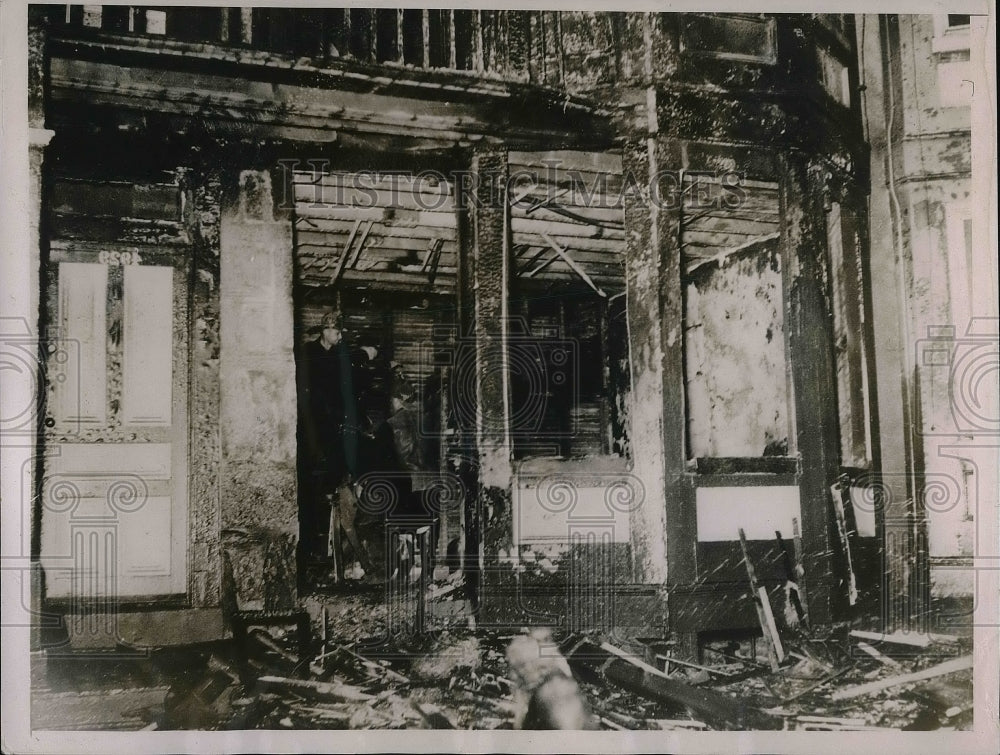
(948, 667)
(864, 647)
(345, 254)
(896, 638)
(769, 631)
(576, 268)
(631, 673)
(315, 690)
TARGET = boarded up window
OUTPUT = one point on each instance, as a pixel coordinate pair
(737, 389)
(848, 327)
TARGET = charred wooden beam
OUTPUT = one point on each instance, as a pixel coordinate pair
(575, 267)
(718, 710)
(948, 667)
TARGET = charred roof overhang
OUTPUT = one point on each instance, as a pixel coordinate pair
(254, 94)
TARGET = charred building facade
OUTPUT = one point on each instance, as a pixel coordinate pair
(626, 254)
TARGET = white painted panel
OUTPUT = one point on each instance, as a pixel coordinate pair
(758, 509)
(147, 460)
(79, 361)
(147, 354)
(67, 535)
(553, 511)
(145, 540)
(864, 511)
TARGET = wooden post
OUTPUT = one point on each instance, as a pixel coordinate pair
(483, 314)
(810, 357)
(663, 536)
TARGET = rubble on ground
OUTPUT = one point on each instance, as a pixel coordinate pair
(360, 675)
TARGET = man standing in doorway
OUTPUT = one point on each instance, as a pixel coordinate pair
(328, 412)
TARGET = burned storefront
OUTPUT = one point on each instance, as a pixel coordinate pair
(612, 269)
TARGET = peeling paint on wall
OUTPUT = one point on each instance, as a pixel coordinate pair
(737, 391)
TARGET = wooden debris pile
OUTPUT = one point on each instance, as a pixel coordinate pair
(823, 680)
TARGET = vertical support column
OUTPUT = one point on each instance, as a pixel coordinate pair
(202, 208)
(38, 139)
(486, 294)
(652, 279)
(803, 235)
(890, 325)
(258, 408)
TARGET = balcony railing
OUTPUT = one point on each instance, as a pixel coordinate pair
(573, 50)
(510, 45)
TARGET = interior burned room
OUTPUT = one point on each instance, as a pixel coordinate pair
(488, 369)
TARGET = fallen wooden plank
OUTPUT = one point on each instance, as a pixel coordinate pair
(631, 673)
(896, 638)
(816, 685)
(315, 690)
(370, 664)
(864, 647)
(948, 667)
